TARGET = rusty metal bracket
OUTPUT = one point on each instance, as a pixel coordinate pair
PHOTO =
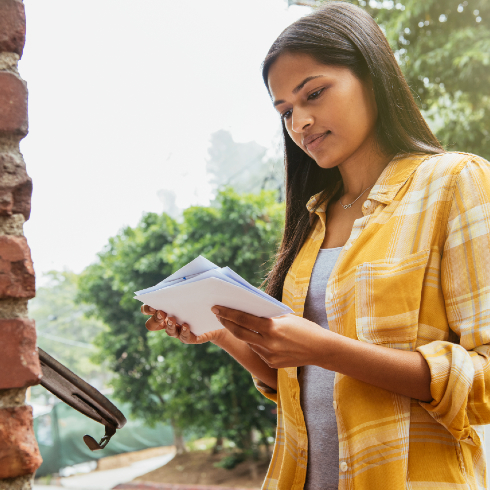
(93, 445)
(81, 396)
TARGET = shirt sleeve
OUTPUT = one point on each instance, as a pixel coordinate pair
(460, 373)
(267, 391)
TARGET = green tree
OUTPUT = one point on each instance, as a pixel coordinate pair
(131, 260)
(241, 231)
(196, 387)
(443, 47)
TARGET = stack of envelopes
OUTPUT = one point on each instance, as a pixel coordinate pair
(191, 292)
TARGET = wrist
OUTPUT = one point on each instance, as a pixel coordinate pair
(324, 350)
(223, 338)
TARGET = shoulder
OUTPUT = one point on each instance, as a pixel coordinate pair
(467, 186)
(446, 171)
(451, 163)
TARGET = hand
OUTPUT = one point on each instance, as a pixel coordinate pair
(285, 341)
(160, 321)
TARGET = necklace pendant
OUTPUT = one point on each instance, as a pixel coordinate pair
(347, 206)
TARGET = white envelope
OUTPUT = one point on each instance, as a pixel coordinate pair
(196, 266)
(191, 302)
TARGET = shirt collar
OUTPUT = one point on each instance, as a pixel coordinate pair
(394, 175)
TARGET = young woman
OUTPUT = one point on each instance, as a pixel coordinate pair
(382, 375)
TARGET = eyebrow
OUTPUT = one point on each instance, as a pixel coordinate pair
(298, 88)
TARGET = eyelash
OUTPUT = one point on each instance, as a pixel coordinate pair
(319, 91)
(312, 96)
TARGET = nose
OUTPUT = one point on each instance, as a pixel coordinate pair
(300, 120)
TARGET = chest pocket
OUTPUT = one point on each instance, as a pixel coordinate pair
(388, 300)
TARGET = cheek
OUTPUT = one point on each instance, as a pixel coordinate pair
(354, 109)
(356, 121)
(367, 111)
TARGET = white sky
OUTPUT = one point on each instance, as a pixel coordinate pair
(123, 96)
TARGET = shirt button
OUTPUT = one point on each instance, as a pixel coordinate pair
(329, 296)
(343, 466)
(334, 405)
(366, 204)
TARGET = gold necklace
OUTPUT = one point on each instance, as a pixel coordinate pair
(347, 206)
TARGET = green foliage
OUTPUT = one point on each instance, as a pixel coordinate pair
(240, 230)
(199, 388)
(444, 51)
(131, 261)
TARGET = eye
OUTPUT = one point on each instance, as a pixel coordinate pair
(286, 115)
(315, 94)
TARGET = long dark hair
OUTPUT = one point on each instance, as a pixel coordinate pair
(342, 34)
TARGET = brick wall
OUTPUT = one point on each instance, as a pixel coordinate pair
(19, 362)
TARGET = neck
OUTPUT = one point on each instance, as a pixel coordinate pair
(361, 171)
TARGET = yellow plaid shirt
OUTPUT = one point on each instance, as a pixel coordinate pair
(414, 275)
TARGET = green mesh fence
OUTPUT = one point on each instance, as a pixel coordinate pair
(59, 435)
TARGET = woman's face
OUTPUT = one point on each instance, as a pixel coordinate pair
(328, 112)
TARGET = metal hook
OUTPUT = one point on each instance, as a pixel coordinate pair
(93, 445)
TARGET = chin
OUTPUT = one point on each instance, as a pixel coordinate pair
(327, 162)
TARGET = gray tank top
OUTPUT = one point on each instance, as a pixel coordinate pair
(316, 388)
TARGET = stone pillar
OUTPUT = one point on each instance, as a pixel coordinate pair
(19, 361)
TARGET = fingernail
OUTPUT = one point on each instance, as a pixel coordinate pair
(215, 310)
(159, 315)
(170, 323)
(184, 329)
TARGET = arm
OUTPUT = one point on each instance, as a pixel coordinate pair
(461, 373)
(290, 341)
(403, 372)
(249, 359)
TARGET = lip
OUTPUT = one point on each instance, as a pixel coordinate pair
(313, 140)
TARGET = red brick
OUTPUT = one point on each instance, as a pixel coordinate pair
(13, 104)
(19, 359)
(15, 186)
(16, 270)
(12, 26)
(19, 453)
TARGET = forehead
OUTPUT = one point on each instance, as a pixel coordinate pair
(290, 69)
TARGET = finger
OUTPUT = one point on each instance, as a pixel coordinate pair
(157, 321)
(147, 310)
(241, 333)
(246, 320)
(186, 336)
(173, 329)
(208, 336)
